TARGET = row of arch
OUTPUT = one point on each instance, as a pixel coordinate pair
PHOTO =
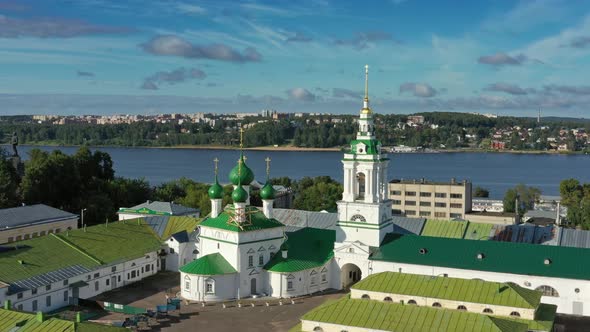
(438, 305)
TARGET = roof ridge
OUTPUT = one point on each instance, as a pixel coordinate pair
(78, 249)
(505, 325)
(525, 294)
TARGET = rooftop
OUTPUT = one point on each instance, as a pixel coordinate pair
(425, 181)
(549, 261)
(27, 322)
(489, 213)
(212, 264)
(166, 226)
(45, 259)
(444, 228)
(160, 208)
(464, 290)
(307, 248)
(258, 221)
(31, 214)
(386, 316)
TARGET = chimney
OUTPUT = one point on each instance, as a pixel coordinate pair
(422, 180)
(40, 317)
(284, 253)
(453, 181)
(7, 305)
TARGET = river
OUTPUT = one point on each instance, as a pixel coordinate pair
(494, 171)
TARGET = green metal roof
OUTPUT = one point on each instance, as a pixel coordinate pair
(444, 228)
(387, 316)
(115, 241)
(28, 322)
(97, 246)
(212, 264)
(371, 146)
(466, 290)
(478, 231)
(308, 248)
(507, 257)
(258, 219)
(179, 224)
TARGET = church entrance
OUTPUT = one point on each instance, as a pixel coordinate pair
(350, 275)
(253, 286)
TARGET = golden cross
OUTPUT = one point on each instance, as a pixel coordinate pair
(240, 167)
(366, 82)
(241, 137)
(267, 166)
(216, 161)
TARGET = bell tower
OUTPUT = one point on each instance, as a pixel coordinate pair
(364, 211)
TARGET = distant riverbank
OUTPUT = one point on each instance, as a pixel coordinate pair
(289, 148)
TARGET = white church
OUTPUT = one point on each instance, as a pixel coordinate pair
(243, 251)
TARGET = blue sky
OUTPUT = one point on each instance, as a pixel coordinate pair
(104, 57)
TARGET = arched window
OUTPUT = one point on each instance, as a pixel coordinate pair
(411, 302)
(318, 329)
(361, 184)
(187, 283)
(365, 297)
(436, 305)
(515, 314)
(488, 311)
(210, 286)
(462, 308)
(547, 291)
(388, 299)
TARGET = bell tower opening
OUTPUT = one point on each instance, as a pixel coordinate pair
(361, 186)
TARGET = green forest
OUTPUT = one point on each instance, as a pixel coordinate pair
(443, 130)
(86, 180)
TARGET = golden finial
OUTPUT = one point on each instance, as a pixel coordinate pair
(216, 161)
(267, 167)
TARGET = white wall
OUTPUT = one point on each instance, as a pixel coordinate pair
(302, 282)
(56, 292)
(224, 287)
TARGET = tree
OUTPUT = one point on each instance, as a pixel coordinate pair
(576, 197)
(9, 182)
(527, 196)
(481, 192)
(317, 194)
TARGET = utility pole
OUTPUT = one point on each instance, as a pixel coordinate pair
(82, 213)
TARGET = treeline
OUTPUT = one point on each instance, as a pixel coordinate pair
(86, 180)
(443, 130)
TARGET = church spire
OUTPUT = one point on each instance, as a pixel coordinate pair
(366, 109)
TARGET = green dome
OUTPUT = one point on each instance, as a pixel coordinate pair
(239, 195)
(267, 191)
(244, 177)
(216, 190)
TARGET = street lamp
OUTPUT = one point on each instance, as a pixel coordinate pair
(83, 216)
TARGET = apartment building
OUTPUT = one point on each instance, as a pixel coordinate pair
(432, 200)
(25, 222)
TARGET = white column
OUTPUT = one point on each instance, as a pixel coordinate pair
(368, 186)
(267, 207)
(215, 207)
(240, 212)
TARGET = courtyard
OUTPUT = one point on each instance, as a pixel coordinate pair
(253, 315)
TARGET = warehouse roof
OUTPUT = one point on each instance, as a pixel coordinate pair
(386, 316)
(456, 289)
(549, 261)
(39, 261)
(31, 214)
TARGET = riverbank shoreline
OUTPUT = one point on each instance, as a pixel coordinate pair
(301, 149)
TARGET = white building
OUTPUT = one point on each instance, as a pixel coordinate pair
(240, 257)
(50, 272)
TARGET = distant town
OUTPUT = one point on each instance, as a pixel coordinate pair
(423, 132)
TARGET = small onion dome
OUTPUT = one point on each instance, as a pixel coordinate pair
(245, 176)
(267, 191)
(216, 190)
(239, 195)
